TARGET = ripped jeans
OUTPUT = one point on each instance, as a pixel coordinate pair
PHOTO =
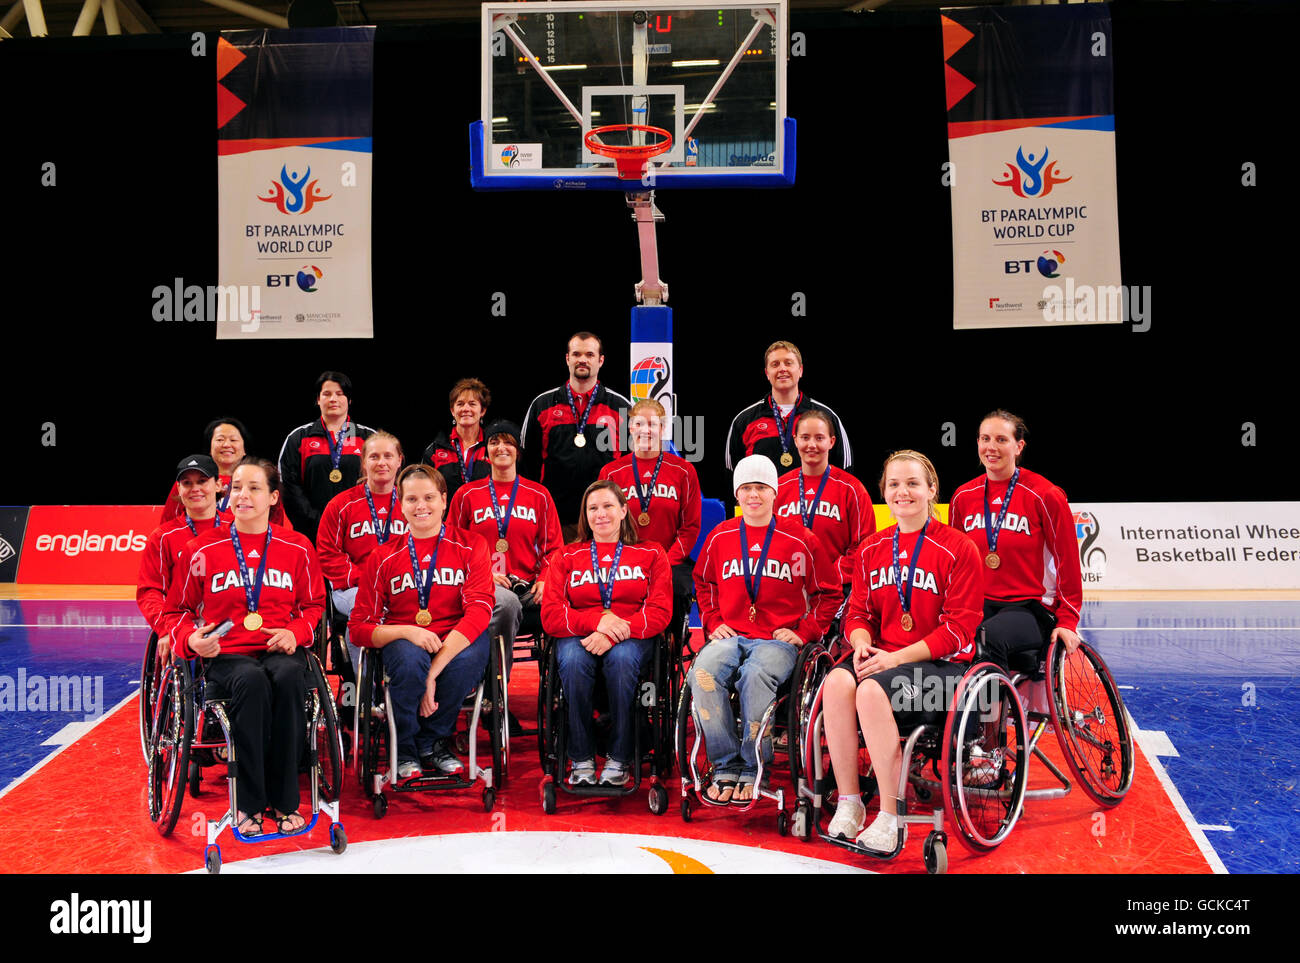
(761, 665)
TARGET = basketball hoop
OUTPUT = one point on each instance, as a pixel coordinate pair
(630, 159)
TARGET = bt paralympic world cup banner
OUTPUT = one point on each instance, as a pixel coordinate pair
(1031, 148)
(294, 117)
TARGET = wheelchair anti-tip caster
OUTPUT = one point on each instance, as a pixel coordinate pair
(935, 852)
(381, 805)
(212, 859)
(658, 800)
(338, 838)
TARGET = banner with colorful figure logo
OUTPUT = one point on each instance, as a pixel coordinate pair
(294, 117)
(651, 376)
(1031, 148)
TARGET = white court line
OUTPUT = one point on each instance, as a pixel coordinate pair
(1180, 805)
(1222, 829)
(41, 765)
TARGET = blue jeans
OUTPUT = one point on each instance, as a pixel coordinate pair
(406, 666)
(622, 667)
(762, 665)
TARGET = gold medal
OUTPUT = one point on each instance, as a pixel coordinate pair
(423, 617)
(753, 613)
(607, 612)
(252, 621)
(643, 519)
(336, 476)
(907, 622)
(992, 560)
(580, 441)
(787, 459)
(502, 545)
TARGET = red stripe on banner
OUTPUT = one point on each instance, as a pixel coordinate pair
(973, 127)
(227, 147)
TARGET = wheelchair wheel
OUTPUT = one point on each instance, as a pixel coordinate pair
(692, 757)
(807, 677)
(372, 728)
(329, 745)
(169, 761)
(1091, 724)
(149, 677)
(499, 723)
(550, 709)
(984, 758)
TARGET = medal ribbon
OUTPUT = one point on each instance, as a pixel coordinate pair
(381, 532)
(586, 412)
(607, 586)
(216, 523)
(424, 583)
(224, 500)
(991, 528)
(905, 594)
(644, 496)
(336, 447)
(466, 460)
(502, 518)
(754, 580)
(784, 427)
(253, 590)
(807, 516)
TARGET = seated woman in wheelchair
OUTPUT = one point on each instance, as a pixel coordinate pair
(607, 597)
(765, 587)
(267, 581)
(663, 492)
(517, 518)
(917, 591)
(425, 600)
(357, 521)
(1022, 526)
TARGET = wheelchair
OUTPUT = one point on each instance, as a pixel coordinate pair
(1076, 694)
(375, 728)
(184, 722)
(151, 672)
(652, 742)
(786, 717)
(978, 770)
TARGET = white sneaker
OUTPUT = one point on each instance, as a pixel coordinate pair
(883, 834)
(850, 814)
(583, 773)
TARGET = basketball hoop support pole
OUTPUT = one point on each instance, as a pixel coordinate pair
(650, 290)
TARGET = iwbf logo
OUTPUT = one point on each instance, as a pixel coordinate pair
(1092, 557)
(74, 916)
(650, 378)
(288, 193)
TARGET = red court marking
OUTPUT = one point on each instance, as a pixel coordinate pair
(85, 812)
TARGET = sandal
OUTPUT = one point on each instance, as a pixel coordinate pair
(284, 822)
(251, 819)
(743, 787)
(720, 791)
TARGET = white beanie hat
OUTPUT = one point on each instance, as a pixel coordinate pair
(754, 468)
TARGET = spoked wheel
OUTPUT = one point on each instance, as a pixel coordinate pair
(372, 730)
(984, 758)
(329, 745)
(500, 721)
(170, 759)
(150, 675)
(1091, 724)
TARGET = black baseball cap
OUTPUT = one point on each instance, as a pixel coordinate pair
(199, 463)
(503, 427)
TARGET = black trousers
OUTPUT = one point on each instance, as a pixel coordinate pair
(267, 698)
(1011, 627)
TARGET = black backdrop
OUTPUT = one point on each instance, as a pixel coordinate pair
(865, 236)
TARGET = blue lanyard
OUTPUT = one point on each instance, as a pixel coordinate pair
(905, 593)
(607, 586)
(992, 528)
(644, 496)
(754, 579)
(586, 412)
(466, 464)
(216, 523)
(502, 518)
(784, 427)
(381, 532)
(424, 582)
(336, 447)
(807, 516)
(252, 590)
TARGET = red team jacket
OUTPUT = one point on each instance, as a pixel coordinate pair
(158, 564)
(674, 507)
(442, 455)
(1037, 543)
(460, 590)
(533, 530)
(549, 454)
(947, 592)
(800, 588)
(346, 533)
(210, 589)
(643, 590)
(842, 520)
